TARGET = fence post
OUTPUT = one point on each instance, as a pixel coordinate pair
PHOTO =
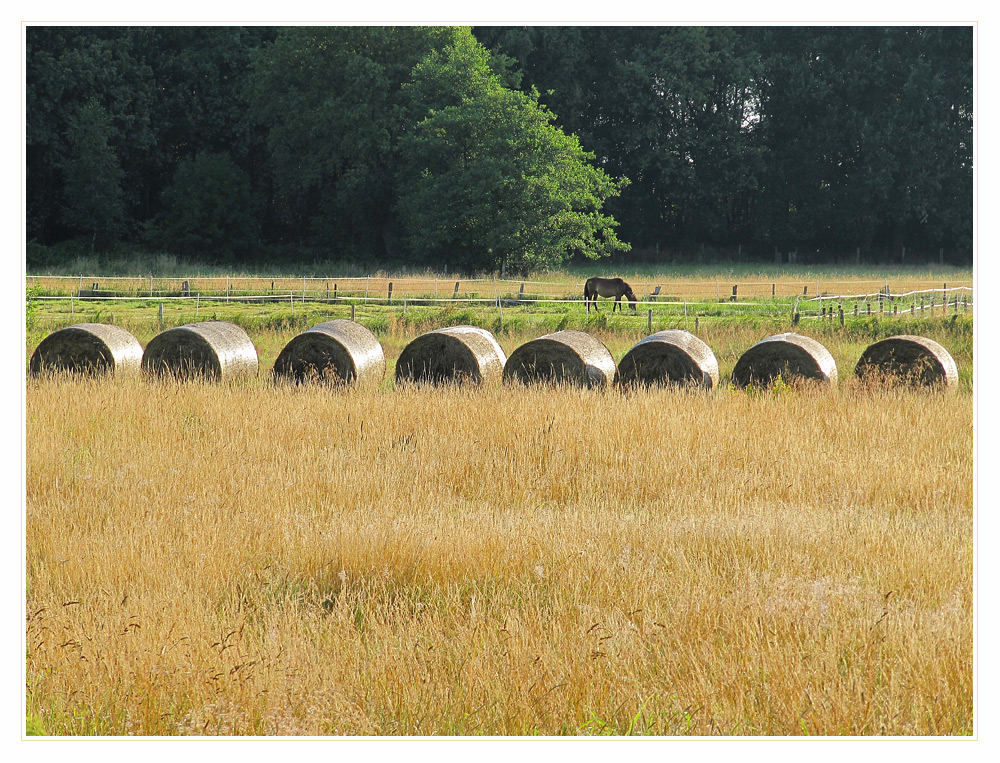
(352, 311)
(455, 295)
(390, 292)
(161, 315)
(197, 304)
(496, 296)
(368, 280)
(649, 321)
(734, 292)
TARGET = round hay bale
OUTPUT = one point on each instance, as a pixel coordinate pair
(214, 349)
(669, 357)
(338, 351)
(565, 356)
(94, 348)
(456, 354)
(787, 355)
(913, 359)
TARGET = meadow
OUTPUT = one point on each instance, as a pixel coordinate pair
(252, 559)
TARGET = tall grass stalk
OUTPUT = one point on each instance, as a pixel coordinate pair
(213, 559)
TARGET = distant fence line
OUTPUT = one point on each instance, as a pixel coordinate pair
(919, 303)
(468, 289)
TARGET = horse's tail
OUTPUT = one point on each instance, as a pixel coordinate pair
(586, 290)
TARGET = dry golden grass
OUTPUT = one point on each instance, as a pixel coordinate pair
(214, 559)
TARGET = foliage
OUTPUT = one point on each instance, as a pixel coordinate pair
(92, 194)
(876, 129)
(404, 141)
(342, 141)
(31, 304)
(208, 210)
(329, 102)
(830, 137)
(487, 176)
(33, 726)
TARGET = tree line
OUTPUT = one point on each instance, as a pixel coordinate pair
(490, 147)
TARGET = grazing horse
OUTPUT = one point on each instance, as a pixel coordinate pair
(608, 287)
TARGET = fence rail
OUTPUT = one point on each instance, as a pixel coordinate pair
(922, 303)
(456, 288)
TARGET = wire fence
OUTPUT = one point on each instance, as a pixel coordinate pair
(457, 289)
(918, 303)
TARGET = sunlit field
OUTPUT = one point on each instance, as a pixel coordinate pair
(258, 559)
(252, 559)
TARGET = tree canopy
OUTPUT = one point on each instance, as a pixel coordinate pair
(499, 146)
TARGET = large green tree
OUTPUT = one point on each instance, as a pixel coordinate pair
(406, 137)
(485, 173)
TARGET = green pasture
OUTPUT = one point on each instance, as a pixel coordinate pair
(730, 328)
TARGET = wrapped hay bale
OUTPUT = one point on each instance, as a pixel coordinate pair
(95, 348)
(914, 359)
(565, 356)
(669, 357)
(455, 354)
(214, 349)
(340, 351)
(786, 355)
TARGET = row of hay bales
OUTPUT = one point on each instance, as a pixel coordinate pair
(344, 351)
